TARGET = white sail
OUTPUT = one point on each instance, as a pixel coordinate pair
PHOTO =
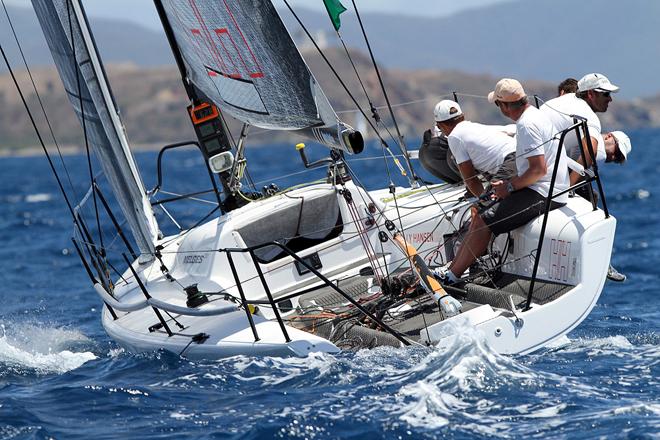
(70, 41)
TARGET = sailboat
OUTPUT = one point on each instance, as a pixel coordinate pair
(321, 267)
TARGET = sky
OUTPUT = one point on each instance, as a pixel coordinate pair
(143, 11)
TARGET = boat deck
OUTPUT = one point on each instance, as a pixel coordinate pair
(349, 329)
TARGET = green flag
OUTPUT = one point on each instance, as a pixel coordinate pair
(335, 8)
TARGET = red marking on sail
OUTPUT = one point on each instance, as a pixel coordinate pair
(218, 32)
(259, 69)
(211, 46)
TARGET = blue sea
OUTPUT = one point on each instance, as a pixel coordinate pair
(62, 377)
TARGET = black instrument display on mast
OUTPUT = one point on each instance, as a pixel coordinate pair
(211, 135)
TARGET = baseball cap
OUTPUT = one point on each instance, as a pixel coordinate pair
(507, 90)
(624, 143)
(446, 109)
(596, 81)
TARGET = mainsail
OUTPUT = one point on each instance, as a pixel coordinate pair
(66, 30)
(239, 54)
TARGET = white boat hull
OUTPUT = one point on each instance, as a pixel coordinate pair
(576, 234)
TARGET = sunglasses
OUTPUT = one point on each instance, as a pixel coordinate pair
(605, 94)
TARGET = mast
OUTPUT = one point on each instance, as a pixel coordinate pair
(169, 33)
(206, 119)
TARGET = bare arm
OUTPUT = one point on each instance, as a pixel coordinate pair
(575, 177)
(470, 177)
(537, 169)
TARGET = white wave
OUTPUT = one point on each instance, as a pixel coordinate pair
(38, 198)
(464, 364)
(43, 349)
(282, 370)
(181, 416)
(467, 361)
(611, 345)
(560, 342)
(547, 412)
(643, 408)
(116, 352)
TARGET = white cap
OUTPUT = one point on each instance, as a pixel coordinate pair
(446, 109)
(597, 82)
(624, 142)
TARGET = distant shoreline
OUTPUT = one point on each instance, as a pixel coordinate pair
(70, 150)
(66, 150)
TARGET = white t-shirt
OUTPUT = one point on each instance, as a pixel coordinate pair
(534, 137)
(484, 145)
(560, 111)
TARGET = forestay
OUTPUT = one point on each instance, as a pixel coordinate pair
(239, 54)
(66, 30)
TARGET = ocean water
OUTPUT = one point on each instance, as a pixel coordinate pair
(62, 377)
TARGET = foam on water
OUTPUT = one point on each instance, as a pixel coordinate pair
(38, 198)
(599, 383)
(44, 350)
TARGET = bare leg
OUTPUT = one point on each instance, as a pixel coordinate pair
(475, 244)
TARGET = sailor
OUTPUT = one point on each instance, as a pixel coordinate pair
(569, 85)
(435, 157)
(477, 148)
(521, 198)
(616, 143)
(593, 95)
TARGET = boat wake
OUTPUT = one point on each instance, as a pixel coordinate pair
(462, 380)
(29, 349)
(462, 386)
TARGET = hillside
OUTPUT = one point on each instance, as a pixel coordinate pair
(542, 39)
(153, 102)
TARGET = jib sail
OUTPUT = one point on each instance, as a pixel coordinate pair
(66, 30)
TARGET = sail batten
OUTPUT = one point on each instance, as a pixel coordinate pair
(239, 54)
(66, 30)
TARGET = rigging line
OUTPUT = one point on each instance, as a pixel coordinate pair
(84, 121)
(38, 96)
(285, 176)
(374, 112)
(41, 141)
(176, 237)
(333, 70)
(357, 74)
(382, 214)
(403, 104)
(266, 272)
(195, 199)
(167, 213)
(366, 243)
(444, 216)
(402, 144)
(235, 146)
(80, 225)
(472, 96)
(346, 223)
